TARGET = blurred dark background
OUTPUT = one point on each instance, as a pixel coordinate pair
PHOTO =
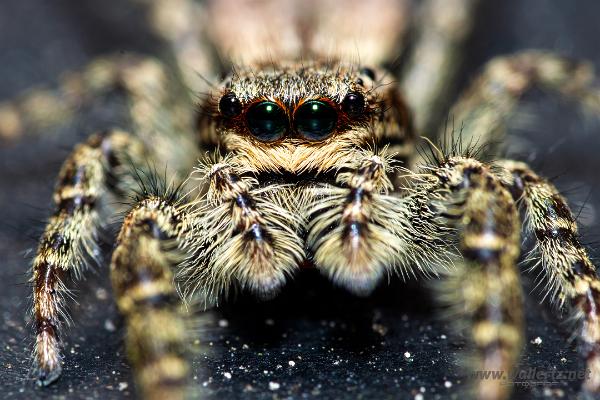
(313, 341)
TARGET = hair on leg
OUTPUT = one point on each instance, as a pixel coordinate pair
(94, 169)
(158, 109)
(572, 278)
(483, 290)
(146, 252)
(485, 108)
(435, 58)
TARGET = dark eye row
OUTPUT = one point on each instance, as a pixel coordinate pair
(314, 119)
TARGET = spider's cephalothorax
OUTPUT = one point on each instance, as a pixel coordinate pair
(293, 132)
(313, 165)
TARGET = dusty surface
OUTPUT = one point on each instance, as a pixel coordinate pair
(314, 340)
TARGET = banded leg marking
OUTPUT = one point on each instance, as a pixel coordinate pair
(143, 284)
(67, 243)
(485, 288)
(572, 278)
(485, 108)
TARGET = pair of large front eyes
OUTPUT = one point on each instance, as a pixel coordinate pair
(267, 121)
(314, 120)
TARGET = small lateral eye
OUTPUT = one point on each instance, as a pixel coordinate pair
(315, 120)
(368, 72)
(353, 104)
(230, 106)
(266, 121)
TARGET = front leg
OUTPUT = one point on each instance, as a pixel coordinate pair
(142, 280)
(358, 232)
(483, 290)
(486, 108)
(93, 170)
(155, 106)
(572, 278)
(234, 234)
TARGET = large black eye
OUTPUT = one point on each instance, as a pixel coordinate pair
(353, 104)
(267, 121)
(230, 106)
(315, 120)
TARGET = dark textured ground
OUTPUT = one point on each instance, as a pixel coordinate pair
(314, 341)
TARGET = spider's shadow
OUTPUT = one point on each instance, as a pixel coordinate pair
(311, 301)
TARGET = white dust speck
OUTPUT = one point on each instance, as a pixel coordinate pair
(407, 355)
(274, 386)
(269, 322)
(123, 386)
(563, 360)
(223, 323)
(227, 375)
(419, 396)
(101, 294)
(109, 325)
(443, 336)
(291, 363)
(537, 341)
(448, 384)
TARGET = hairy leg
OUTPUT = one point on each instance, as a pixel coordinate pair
(484, 288)
(181, 24)
(357, 232)
(232, 233)
(486, 107)
(572, 278)
(93, 169)
(142, 280)
(157, 108)
(442, 29)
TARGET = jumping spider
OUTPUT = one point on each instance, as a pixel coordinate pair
(313, 164)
